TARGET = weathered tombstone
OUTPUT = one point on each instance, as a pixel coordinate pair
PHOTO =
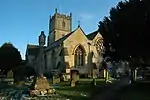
(9, 77)
(135, 74)
(10, 74)
(108, 68)
(56, 79)
(105, 71)
(74, 77)
(66, 76)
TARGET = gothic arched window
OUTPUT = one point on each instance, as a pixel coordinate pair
(99, 45)
(79, 56)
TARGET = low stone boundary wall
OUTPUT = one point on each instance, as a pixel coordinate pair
(7, 80)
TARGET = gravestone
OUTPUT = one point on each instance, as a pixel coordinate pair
(66, 76)
(10, 74)
(74, 77)
(135, 74)
(9, 79)
(56, 79)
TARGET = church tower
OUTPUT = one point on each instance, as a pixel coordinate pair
(59, 26)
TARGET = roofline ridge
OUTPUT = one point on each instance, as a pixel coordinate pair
(93, 32)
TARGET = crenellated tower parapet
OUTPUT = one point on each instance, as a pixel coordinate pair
(59, 26)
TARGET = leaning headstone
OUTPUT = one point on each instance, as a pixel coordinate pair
(74, 78)
(56, 79)
(10, 74)
(9, 77)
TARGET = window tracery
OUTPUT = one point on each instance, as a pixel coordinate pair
(79, 56)
(99, 45)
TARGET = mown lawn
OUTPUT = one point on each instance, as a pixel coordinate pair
(80, 92)
(136, 91)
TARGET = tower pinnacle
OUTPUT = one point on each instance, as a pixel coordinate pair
(55, 10)
(79, 23)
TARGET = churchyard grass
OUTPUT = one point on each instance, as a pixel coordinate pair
(4, 86)
(19, 85)
(80, 92)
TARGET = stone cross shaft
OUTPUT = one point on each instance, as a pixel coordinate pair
(40, 62)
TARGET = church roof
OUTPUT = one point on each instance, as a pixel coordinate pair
(92, 35)
(33, 49)
(59, 41)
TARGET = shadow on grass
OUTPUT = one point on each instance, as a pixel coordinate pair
(6, 86)
(136, 91)
(73, 97)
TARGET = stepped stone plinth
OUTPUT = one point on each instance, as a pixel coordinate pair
(41, 87)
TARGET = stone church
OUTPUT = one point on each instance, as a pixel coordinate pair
(67, 49)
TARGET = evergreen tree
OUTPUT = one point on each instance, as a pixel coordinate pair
(9, 57)
(127, 30)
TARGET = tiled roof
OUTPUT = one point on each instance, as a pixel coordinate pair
(92, 35)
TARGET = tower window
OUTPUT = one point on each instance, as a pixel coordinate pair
(63, 24)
